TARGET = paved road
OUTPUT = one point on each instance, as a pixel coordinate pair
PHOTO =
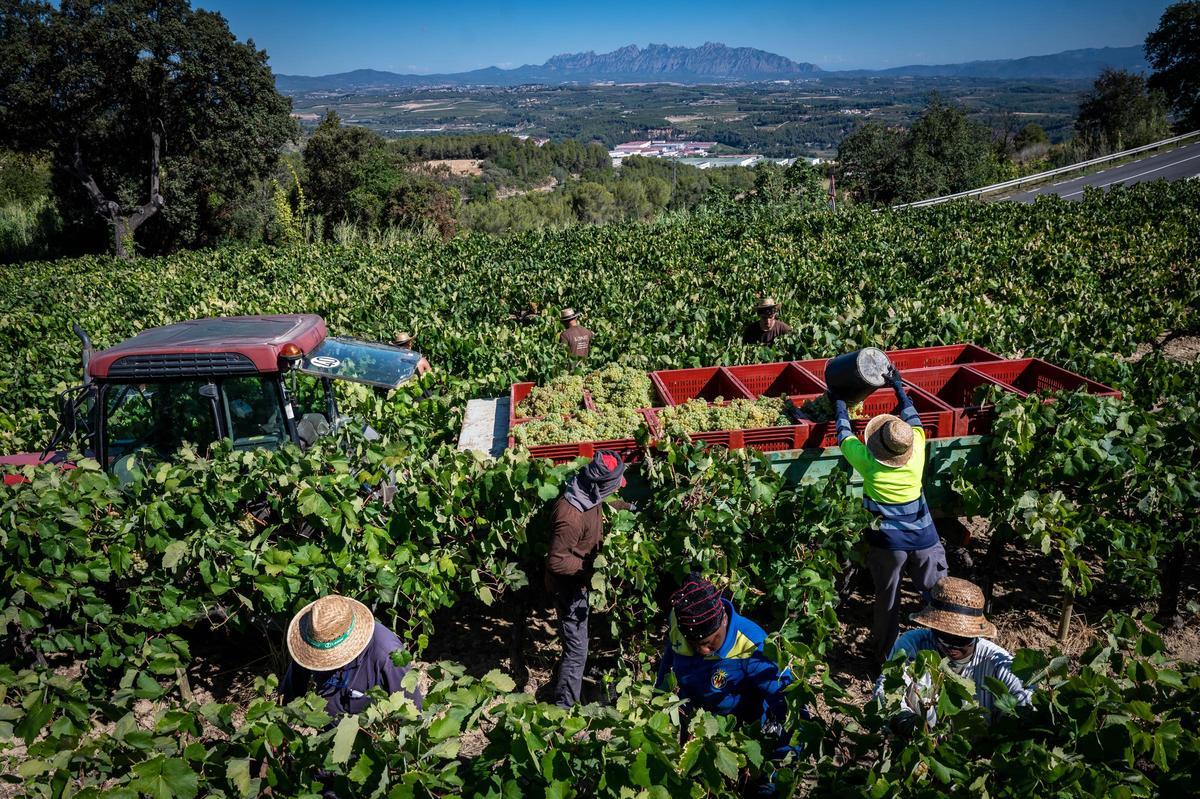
(1177, 164)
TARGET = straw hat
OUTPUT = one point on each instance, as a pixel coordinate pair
(766, 304)
(568, 314)
(956, 607)
(329, 633)
(403, 339)
(889, 439)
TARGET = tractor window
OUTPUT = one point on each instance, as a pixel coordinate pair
(255, 415)
(156, 418)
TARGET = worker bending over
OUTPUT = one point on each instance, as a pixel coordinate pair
(953, 625)
(336, 644)
(716, 659)
(892, 462)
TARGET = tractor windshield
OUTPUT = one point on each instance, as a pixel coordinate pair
(380, 365)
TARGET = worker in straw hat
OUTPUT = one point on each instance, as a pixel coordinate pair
(576, 337)
(406, 341)
(954, 626)
(336, 643)
(892, 464)
(768, 327)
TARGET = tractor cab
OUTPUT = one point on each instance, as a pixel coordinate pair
(258, 381)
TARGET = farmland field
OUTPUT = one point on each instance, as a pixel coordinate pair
(143, 625)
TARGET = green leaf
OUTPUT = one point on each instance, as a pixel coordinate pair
(500, 681)
(238, 773)
(165, 778)
(726, 762)
(445, 727)
(343, 739)
(173, 554)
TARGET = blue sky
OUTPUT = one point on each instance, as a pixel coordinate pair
(313, 38)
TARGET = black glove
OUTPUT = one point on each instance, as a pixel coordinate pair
(903, 724)
(893, 377)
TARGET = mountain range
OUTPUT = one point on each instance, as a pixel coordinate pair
(712, 63)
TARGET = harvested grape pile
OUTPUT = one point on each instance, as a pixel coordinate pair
(821, 410)
(581, 426)
(563, 394)
(617, 392)
(698, 416)
(618, 386)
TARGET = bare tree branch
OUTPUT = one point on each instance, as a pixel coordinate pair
(156, 200)
(104, 206)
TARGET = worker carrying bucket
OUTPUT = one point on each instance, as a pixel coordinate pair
(891, 461)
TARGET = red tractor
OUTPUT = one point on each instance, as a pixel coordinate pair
(232, 378)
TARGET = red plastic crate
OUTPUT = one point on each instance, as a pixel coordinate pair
(565, 453)
(936, 416)
(956, 386)
(766, 439)
(949, 355)
(814, 367)
(1033, 375)
(776, 379)
(677, 386)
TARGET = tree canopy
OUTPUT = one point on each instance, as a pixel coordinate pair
(944, 152)
(1121, 112)
(149, 111)
(1173, 49)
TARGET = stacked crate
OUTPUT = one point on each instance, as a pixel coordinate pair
(949, 387)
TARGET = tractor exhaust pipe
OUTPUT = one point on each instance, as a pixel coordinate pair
(87, 349)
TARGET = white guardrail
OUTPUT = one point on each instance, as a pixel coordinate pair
(1039, 177)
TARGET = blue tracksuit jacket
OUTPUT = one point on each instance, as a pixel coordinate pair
(737, 679)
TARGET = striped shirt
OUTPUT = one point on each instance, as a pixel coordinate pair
(988, 660)
(892, 493)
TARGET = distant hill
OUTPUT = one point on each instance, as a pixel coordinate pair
(656, 63)
(1069, 64)
(713, 63)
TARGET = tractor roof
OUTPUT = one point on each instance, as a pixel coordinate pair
(222, 346)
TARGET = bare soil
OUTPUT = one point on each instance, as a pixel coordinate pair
(458, 166)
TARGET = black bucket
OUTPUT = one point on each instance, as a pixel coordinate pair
(853, 376)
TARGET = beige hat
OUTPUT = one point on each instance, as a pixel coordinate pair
(890, 439)
(402, 339)
(956, 607)
(766, 304)
(329, 633)
(568, 314)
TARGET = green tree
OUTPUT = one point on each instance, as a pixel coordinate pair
(868, 160)
(1031, 135)
(1173, 50)
(945, 152)
(1121, 112)
(630, 196)
(658, 191)
(351, 173)
(149, 111)
(592, 203)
